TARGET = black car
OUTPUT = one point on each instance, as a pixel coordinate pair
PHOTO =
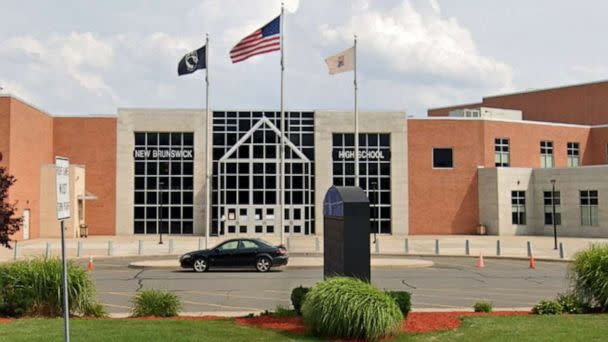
(241, 253)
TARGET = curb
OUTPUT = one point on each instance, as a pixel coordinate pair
(236, 314)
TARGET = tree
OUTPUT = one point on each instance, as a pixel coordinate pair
(9, 224)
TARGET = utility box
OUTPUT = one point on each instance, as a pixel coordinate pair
(346, 233)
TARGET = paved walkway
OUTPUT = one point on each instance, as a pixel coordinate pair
(451, 245)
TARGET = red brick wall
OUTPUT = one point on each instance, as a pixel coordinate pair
(31, 146)
(5, 118)
(585, 104)
(92, 143)
(445, 201)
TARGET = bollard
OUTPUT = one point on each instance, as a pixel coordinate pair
(16, 251)
(498, 251)
(561, 250)
(140, 247)
(467, 247)
(79, 250)
(529, 249)
(317, 244)
(171, 246)
(110, 248)
(48, 250)
(289, 244)
(407, 246)
(200, 243)
(437, 246)
(377, 246)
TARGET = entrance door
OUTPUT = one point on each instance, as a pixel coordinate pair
(26, 224)
(294, 220)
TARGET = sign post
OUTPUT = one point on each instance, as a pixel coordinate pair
(62, 174)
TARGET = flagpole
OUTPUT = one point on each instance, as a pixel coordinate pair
(356, 118)
(207, 154)
(282, 153)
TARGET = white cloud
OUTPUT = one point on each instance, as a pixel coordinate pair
(406, 42)
(411, 57)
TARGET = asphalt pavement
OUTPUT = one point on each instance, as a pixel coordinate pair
(452, 283)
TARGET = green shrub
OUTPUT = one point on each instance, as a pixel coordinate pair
(589, 275)
(571, 304)
(297, 298)
(350, 308)
(482, 307)
(33, 287)
(403, 300)
(157, 303)
(281, 311)
(547, 307)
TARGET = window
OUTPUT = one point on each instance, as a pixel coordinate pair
(501, 152)
(374, 175)
(518, 207)
(248, 244)
(163, 182)
(546, 154)
(442, 158)
(589, 207)
(573, 154)
(246, 167)
(229, 246)
(548, 203)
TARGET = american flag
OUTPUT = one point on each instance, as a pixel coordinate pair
(263, 40)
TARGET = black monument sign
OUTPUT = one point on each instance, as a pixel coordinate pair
(346, 231)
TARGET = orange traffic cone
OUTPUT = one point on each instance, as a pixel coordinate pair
(480, 263)
(90, 265)
(532, 262)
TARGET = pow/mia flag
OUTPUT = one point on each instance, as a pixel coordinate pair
(192, 61)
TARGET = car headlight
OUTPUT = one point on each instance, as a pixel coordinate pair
(185, 256)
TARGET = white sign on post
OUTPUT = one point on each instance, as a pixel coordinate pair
(62, 170)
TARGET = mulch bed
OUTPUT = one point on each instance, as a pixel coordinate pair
(4, 320)
(289, 324)
(422, 322)
(416, 322)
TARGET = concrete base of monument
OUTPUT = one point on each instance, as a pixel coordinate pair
(301, 261)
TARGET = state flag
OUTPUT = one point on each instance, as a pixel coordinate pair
(341, 62)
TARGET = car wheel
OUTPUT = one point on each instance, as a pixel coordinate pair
(262, 264)
(200, 265)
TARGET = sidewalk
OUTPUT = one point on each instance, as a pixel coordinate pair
(450, 245)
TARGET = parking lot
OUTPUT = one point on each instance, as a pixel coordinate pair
(450, 283)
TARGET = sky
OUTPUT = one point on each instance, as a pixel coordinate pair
(73, 57)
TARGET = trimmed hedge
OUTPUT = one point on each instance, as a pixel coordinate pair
(157, 303)
(33, 287)
(403, 300)
(344, 307)
(298, 295)
(589, 275)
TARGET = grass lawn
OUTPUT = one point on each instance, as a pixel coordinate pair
(508, 328)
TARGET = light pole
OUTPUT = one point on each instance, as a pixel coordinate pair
(553, 204)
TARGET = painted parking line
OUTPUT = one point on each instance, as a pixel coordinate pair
(416, 304)
(123, 294)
